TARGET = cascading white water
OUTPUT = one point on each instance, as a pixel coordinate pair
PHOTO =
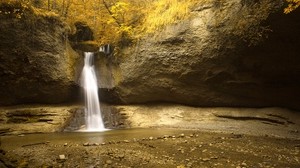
(93, 118)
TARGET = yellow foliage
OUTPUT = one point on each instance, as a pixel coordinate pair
(117, 21)
(165, 12)
(292, 5)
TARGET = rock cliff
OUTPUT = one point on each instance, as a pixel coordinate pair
(37, 65)
(217, 57)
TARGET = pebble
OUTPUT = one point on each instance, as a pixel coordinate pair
(150, 138)
(126, 141)
(181, 135)
(62, 157)
(108, 162)
(244, 164)
(66, 144)
(96, 144)
(86, 144)
(205, 159)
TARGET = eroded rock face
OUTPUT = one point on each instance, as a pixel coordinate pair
(273, 121)
(207, 60)
(37, 65)
(36, 119)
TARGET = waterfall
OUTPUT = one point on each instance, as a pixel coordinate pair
(93, 118)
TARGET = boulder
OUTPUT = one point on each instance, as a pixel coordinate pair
(37, 64)
(219, 56)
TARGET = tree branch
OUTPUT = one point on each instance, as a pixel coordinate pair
(111, 14)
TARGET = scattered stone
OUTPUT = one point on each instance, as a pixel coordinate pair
(66, 144)
(96, 144)
(108, 162)
(103, 143)
(181, 135)
(190, 164)
(205, 159)
(126, 141)
(86, 144)
(62, 157)
(244, 164)
(150, 138)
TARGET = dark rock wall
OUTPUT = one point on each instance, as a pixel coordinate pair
(211, 60)
(37, 65)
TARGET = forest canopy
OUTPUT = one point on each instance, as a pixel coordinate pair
(117, 21)
(122, 21)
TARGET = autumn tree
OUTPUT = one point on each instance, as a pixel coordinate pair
(119, 21)
(292, 5)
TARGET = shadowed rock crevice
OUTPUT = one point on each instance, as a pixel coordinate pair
(252, 119)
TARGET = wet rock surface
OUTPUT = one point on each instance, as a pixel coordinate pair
(151, 148)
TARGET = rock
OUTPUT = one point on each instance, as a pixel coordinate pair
(66, 144)
(205, 159)
(244, 164)
(37, 64)
(62, 157)
(109, 162)
(214, 64)
(86, 144)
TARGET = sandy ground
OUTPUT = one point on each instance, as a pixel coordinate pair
(149, 148)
